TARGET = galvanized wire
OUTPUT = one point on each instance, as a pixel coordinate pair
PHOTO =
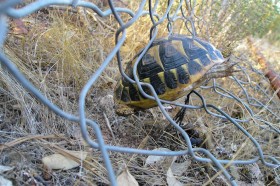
(7, 10)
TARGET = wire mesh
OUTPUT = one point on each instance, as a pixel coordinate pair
(184, 11)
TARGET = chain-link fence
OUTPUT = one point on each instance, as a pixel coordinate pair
(239, 93)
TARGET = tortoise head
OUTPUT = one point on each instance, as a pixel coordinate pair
(224, 69)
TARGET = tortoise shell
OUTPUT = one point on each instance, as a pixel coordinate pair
(171, 65)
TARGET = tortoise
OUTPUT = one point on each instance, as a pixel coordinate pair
(174, 66)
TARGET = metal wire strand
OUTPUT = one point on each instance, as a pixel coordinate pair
(7, 10)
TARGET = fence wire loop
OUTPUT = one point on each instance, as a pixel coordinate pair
(183, 13)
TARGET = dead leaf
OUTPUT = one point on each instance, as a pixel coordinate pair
(164, 162)
(171, 180)
(126, 179)
(5, 182)
(180, 168)
(255, 171)
(152, 160)
(176, 169)
(58, 161)
(5, 168)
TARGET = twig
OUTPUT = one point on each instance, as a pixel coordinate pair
(109, 126)
(23, 139)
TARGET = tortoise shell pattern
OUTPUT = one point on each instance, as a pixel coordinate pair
(171, 66)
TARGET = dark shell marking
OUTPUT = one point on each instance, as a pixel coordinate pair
(148, 67)
(183, 76)
(158, 84)
(170, 57)
(170, 80)
(171, 65)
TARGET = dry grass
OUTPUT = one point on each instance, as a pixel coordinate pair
(58, 55)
